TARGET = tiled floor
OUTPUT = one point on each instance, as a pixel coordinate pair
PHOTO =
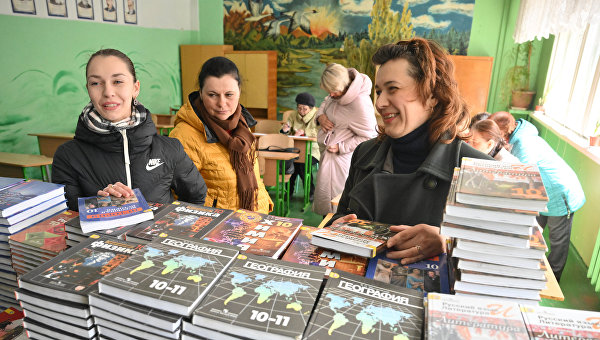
(576, 287)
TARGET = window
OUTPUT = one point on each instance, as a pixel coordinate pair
(572, 89)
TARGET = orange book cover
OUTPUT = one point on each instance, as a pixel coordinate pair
(48, 234)
(302, 251)
(256, 233)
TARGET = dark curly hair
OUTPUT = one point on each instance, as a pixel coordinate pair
(434, 73)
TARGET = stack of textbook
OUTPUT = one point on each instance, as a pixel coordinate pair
(148, 295)
(498, 248)
(55, 295)
(39, 243)
(75, 234)
(466, 318)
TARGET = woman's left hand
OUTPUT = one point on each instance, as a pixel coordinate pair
(415, 243)
(118, 189)
(333, 148)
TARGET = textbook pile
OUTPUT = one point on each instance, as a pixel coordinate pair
(465, 318)
(22, 204)
(55, 295)
(498, 248)
(39, 243)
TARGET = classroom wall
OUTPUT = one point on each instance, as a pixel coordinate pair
(43, 67)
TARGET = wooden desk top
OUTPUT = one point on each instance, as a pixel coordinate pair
(24, 160)
(336, 200)
(303, 138)
(164, 126)
(552, 291)
(63, 135)
(277, 155)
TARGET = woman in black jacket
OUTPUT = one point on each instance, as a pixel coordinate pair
(116, 147)
(403, 176)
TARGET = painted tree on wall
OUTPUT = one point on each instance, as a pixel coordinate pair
(387, 27)
(307, 34)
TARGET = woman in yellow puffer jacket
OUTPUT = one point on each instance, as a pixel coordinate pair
(215, 132)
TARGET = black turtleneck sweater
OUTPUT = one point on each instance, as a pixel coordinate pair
(410, 151)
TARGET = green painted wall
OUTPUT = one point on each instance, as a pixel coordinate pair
(491, 35)
(42, 66)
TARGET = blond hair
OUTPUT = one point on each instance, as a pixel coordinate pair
(335, 78)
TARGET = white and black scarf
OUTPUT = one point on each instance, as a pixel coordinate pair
(96, 123)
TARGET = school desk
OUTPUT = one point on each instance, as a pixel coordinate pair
(49, 142)
(14, 164)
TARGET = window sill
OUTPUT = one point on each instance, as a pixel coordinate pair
(576, 141)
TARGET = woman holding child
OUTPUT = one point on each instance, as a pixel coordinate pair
(403, 176)
(116, 147)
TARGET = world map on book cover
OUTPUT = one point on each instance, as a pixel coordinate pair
(264, 294)
(172, 269)
(82, 268)
(48, 234)
(303, 252)
(255, 233)
(352, 307)
(180, 220)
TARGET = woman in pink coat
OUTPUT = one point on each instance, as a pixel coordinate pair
(347, 118)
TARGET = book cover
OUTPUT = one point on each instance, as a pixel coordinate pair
(256, 233)
(500, 184)
(27, 194)
(73, 226)
(105, 212)
(303, 252)
(11, 323)
(180, 219)
(463, 318)
(47, 235)
(72, 274)
(560, 323)
(7, 182)
(428, 275)
(169, 273)
(484, 214)
(367, 237)
(354, 307)
(21, 216)
(258, 296)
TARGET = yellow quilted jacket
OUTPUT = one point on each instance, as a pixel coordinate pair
(212, 160)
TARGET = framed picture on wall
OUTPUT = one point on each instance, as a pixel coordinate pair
(130, 10)
(85, 9)
(109, 10)
(57, 8)
(23, 6)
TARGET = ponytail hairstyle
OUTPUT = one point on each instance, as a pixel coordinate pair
(489, 130)
(433, 72)
(114, 53)
(506, 122)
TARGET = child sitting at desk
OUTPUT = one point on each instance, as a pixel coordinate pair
(302, 123)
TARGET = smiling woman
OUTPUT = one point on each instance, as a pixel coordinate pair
(116, 147)
(403, 176)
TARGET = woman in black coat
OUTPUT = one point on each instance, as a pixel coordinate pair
(403, 176)
(116, 147)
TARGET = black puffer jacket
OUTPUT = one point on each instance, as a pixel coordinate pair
(374, 192)
(157, 164)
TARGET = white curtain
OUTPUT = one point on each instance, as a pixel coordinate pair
(540, 18)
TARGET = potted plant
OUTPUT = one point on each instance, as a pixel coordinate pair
(516, 81)
(595, 137)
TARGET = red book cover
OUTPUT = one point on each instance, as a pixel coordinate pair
(256, 233)
(11, 323)
(47, 235)
(302, 251)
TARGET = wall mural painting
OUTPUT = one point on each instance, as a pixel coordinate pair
(38, 101)
(308, 34)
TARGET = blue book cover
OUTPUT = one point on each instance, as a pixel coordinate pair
(105, 212)
(429, 275)
(6, 182)
(27, 194)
